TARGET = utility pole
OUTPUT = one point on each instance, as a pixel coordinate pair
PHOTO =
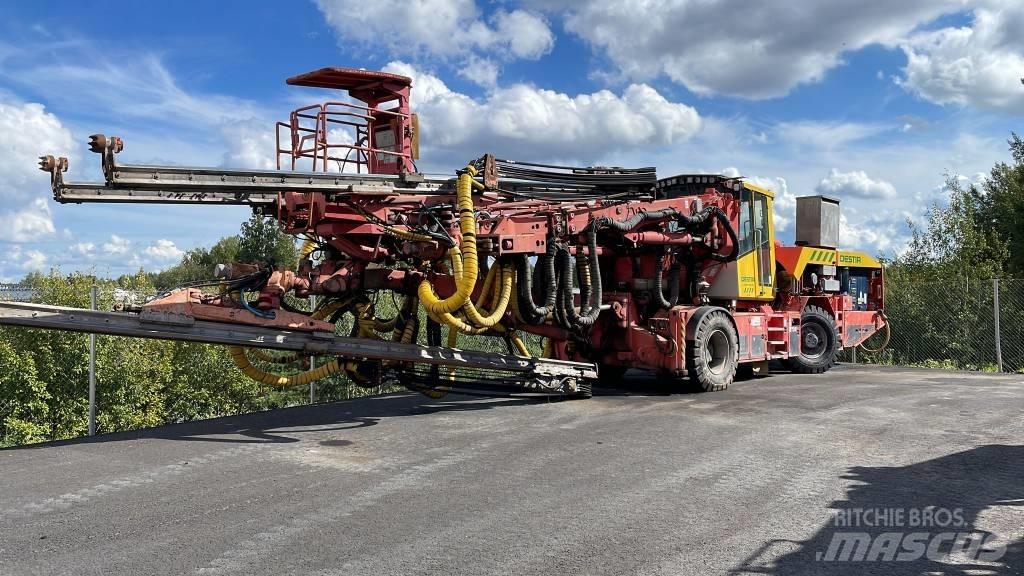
(92, 369)
(312, 359)
(995, 316)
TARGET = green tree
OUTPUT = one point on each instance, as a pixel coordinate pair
(197, 264)
(24, 400)
(1000, 199)
(956, 240)
(939, 289)
(262, 240)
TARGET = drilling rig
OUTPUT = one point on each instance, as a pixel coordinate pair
(614, 268)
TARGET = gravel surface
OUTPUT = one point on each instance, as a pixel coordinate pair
(758, 479)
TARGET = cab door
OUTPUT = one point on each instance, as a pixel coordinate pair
(752, 275)
(762, 239)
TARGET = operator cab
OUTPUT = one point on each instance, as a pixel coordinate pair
(751, 275)
(755, 263)
(373, 133)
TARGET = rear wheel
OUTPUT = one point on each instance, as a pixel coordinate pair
(711, 358)
(819, 342)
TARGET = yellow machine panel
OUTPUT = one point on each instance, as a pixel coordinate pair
(752, 275)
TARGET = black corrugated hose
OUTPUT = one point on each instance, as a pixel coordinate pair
(673, 279)
(531, 312)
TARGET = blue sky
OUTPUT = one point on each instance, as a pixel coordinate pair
(870, 101)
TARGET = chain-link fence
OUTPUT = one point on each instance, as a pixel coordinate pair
(964, 324)
(16, 293)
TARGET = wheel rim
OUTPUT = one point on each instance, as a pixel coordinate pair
(716, 352)
(813, 341)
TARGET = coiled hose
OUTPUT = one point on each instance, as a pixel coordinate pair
(591, 290)
(498, 288)
(591, 307)
(240, 357)
(701, 223)
(466, 251)
(530, 312)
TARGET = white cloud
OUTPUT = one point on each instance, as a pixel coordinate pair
(86, 249)
(31, 223)
(34, 261)
(116, 245)
(785, 201)
(164, 119)
(164, 251)
(136, 86)
(746, 49)
(526, 34)
(251, 145)
(29, 131)
(441, 28)
(525, 122)
(855, 184)
(875, 234)
(826, 135)
(480, 71)
(979, 65)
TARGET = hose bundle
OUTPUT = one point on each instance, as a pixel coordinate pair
(465, 252)
(548, 281)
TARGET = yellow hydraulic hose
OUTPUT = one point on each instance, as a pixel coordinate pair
(318, 373)
(503, 291)
(499, 293)
(261, 354)
(241, 359)
(485, 291)
(467, 251)
(308, 246)
(519, 345)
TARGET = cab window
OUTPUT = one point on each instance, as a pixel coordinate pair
(746, 232)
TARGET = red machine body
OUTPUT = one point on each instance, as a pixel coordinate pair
(681, 276)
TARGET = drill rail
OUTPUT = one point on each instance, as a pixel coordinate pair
(126, 183)
(173, 327)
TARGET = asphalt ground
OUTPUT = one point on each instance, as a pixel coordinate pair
(762, 478)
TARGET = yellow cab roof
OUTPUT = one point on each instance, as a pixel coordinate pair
(755, 188)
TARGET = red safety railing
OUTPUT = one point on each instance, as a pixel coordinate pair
(343, 136)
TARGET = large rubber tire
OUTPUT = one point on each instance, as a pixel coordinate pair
(713, 354)
(819, 342)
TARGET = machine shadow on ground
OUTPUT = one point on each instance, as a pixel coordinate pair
(988, 479)
(644, 383)
(289, 425)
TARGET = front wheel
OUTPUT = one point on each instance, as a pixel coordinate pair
(712, 356)
(819, 342)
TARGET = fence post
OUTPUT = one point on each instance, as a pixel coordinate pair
(995, 316)
(312, 359)
(92, 368)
